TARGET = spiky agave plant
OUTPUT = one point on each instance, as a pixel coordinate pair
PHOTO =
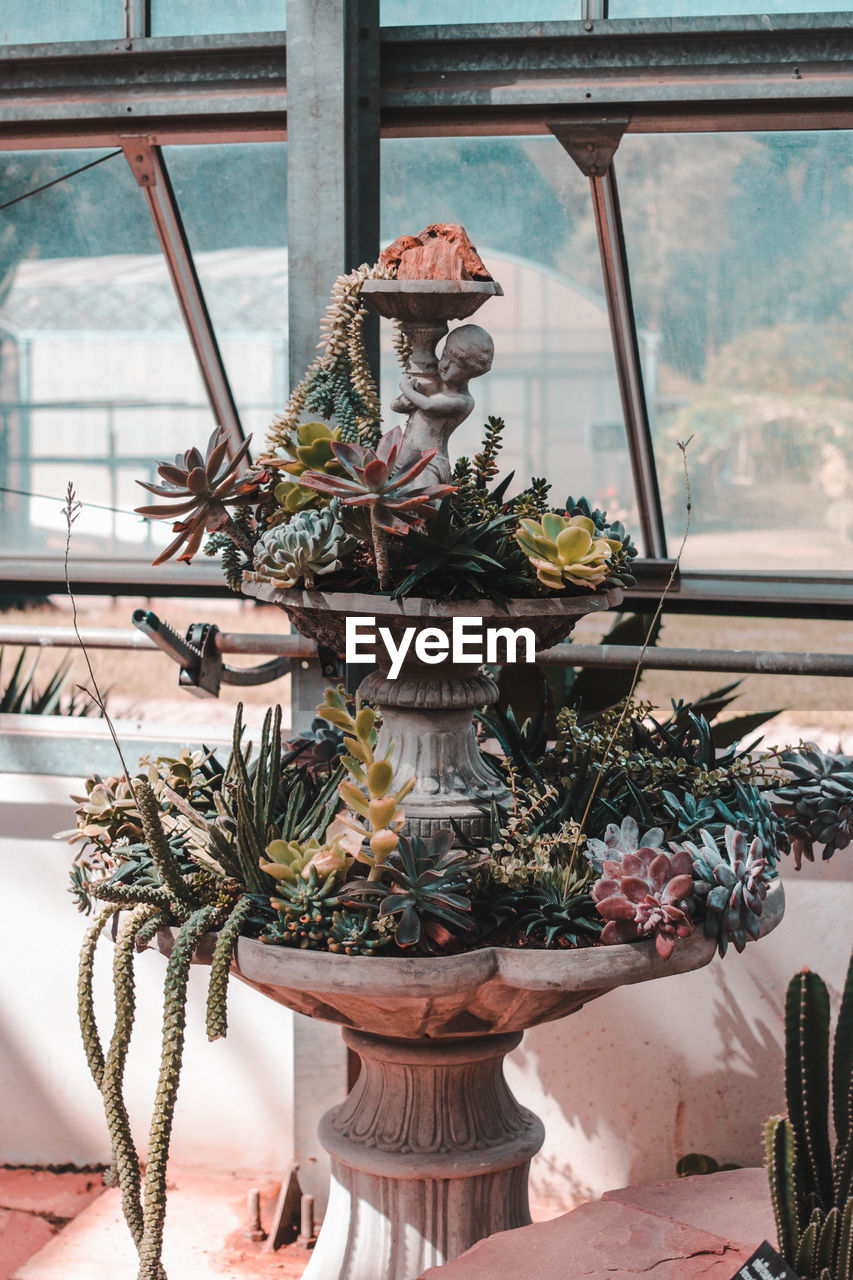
(811, 1186)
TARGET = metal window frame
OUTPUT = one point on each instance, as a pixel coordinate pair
(358, 82)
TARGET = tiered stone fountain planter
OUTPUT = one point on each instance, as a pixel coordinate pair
(430, 1152)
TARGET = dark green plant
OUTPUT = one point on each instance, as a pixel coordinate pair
(448, 558)
(811, 1185)
(557, 913)
(20, 696)
(731, 884)
(424, 889)
(354, 933)
(817, 800)
(305, 910)
(619, 568)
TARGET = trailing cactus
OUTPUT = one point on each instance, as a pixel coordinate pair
(310, 545)
(811, 1186)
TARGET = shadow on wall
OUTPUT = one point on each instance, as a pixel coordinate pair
(649, 1073)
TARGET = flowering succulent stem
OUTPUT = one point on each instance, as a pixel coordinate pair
(380, 551)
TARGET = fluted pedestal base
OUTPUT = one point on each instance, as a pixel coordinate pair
(430, 1153)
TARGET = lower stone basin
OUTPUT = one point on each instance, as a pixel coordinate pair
(430, 1151)
(489, 991)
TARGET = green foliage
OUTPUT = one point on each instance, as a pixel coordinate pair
(425, 890)
(817, 800)
(20, 696)
(731, 885)
(311, 545)
(811, 1186)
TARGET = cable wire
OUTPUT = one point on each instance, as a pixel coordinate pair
(55, 181)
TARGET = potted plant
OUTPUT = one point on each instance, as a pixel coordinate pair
(384, 871)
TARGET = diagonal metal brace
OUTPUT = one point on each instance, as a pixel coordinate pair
(197, 654)
(592, 144)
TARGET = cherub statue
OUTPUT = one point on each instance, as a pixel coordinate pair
(436, 403)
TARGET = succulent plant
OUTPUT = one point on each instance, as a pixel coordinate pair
(566, 549)
(371, 827)
(311, 544)
(619, 840)
(309, 449)
(425, 888)
(201, 489)
(646, 895)
(817, 803)
(373, 479)
(619, 568)
(732, 884)
(561, 915)
(305, 908)
(355, 933)
(811, 1188)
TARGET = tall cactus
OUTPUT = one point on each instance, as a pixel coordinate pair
(811, 1188)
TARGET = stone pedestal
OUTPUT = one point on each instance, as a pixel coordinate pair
(429, 1152)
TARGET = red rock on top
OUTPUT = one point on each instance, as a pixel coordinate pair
(439, 252)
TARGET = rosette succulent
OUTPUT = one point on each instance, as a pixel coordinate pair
(425, 889)
(311, 544)
(201, 489)
(620, 840)
(817, 803)
(566, 549)
(646, 895)
(731, 883)
(309, 449)
(374, 479)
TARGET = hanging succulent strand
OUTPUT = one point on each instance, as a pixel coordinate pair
(339, 382)
(174, 1024)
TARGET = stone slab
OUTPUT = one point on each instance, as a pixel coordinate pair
(602, 1240)
(203, 1237)
(735, 1204)
(21, 1235)
(62, 1195)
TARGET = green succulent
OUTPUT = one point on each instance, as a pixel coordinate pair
(305, 909)
(557, 913)
(817, 802)
(356, 933)
(619, 568)
(310, 449)
(566, 550)
(732, 885)
(425, 889)
(811, 1187)
(310, 545)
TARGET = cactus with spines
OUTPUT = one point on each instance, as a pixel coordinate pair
(811, 1186)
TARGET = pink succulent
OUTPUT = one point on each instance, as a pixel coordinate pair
(646, 895)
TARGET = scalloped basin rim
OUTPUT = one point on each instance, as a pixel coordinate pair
(500, 988)
(363, 602)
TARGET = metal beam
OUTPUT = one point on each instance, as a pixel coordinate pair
(753, 72)
(167, 87)
(149, 169)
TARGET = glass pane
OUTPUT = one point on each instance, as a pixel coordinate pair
(719, 8)
(408, 13)
(97, 376)
(23, 22)
(215, 17)
(233, 202)
(739, 249)
(527, 208)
